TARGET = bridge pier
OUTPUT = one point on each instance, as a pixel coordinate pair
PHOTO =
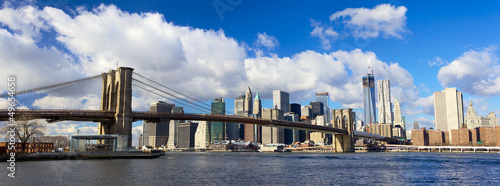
(344, 119)
(117, 96)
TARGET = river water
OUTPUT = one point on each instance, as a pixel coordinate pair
(253, 168)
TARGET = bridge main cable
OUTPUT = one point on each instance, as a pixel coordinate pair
(20, 92)
(169, 98)
(209, 106)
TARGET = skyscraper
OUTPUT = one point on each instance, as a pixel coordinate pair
(257, 112)
(156, 133)
(248, 102)
(384, 102)
(272, 134)
(257, 106)
(448, 110)
(323, 98)
(281, 100)
(369, 98)
(415, 125)
(173, 137)
(248, 129)
(317, 109)
(218, 129)
(398, 119)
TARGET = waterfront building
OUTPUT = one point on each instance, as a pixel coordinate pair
(291, 135)
(323, 98)
(369, 98)
(202, 135)
(317, 109)
(448, 110)
(173, 137)
(272, 135)
(31, 147)
(281, 100)
(384, 102)
(156, 133)
(217, 128)
(187, 132)
(473, 121)
(398, 120)
(296, 109)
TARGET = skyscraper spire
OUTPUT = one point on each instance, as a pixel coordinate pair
(257, 96)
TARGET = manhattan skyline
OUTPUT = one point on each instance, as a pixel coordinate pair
(212, 49)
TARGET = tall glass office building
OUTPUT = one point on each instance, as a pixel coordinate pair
(369, 98)
(218, 129)
(323, 98)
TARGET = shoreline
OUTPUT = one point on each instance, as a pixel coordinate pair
(149, 155)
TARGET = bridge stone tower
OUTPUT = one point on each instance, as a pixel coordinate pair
(117, 96)
(344, 119)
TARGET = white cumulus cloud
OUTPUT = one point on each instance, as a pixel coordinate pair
(270, 42)
(385, 19)
(476, 72)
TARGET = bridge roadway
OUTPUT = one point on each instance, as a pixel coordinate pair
(100, 116)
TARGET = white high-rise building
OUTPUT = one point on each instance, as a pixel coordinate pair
(384, 102)
(448, 110)
(202, 136)
(398, 119)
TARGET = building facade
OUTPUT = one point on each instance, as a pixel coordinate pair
(398, 119)
(187, 132)
(369, 98)
(384, 102)
(317, 109)
(323, 98)
(156, 134)
(473, 121)
(202, 135)
(271, 135)
(448, 110)
(217, 128)
(173, 137)
(281, 100)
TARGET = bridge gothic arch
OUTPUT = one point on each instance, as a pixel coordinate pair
(345, 120)
(117, 96)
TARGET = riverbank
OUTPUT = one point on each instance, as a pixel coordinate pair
(85, 155)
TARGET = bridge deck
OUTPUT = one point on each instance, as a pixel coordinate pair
(102, 116)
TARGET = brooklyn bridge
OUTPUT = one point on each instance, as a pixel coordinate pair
(115, 115)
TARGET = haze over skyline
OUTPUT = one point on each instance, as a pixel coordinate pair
(210, 49)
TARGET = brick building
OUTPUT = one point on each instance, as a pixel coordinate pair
(30, 147)
(487, 136)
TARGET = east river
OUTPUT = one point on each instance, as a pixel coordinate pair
(217, 168)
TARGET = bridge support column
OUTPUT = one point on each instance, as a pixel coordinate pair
(117, 96)
(344, 119)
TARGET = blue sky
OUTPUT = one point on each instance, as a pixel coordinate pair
(299, 47)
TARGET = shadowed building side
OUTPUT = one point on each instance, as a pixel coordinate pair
(117, 96)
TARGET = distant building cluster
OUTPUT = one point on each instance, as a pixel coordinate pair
(391, 122)
(453, 128)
